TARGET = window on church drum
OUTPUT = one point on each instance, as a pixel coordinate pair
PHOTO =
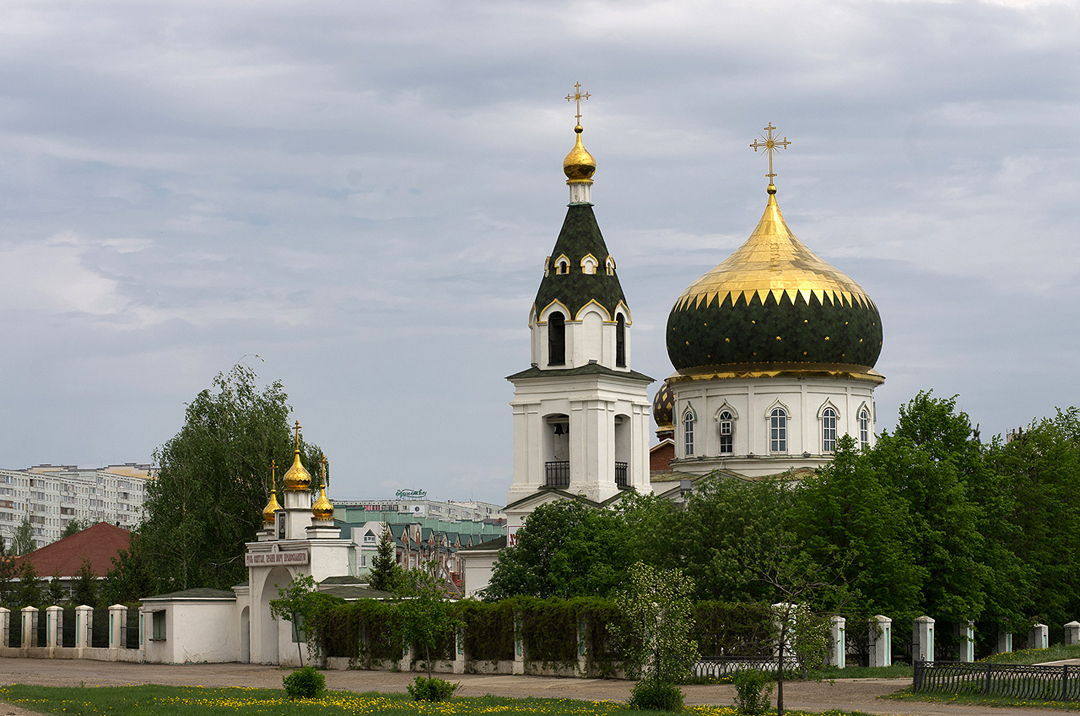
(828, 430)
(864, 428)
(556, 339)
(620, 341)
(727, 432)
(688, 433)
(562, 267)
(778, 430)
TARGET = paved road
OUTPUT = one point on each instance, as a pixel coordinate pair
(852, 694)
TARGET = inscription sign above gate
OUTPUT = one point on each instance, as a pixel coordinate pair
(259, 559)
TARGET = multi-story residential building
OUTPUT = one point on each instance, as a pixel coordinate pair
(51, 496)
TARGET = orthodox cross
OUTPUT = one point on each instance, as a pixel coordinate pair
(296, 429)
(323, 463)
(273, 475)
(770, 144)
(576, 99)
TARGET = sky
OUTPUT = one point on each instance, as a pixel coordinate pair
(357, 198)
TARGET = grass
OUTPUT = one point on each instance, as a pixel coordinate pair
(169, 700)
(907, 695)
(896, 671)
(1036, 656)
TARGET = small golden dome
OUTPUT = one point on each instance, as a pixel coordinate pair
(322, 510)
(297, 479)
(579, 165)
(272, 506)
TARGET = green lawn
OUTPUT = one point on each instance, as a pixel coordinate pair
(168, 700)
(1037, 656)
(896, 671)
(907, 695)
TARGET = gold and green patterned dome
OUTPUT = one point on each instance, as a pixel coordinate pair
(662, 408)
(774, 307)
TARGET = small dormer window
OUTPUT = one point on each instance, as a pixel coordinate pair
(562, 266)
(610, 266)
(589, 264)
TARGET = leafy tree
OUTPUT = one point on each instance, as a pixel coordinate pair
(207, 500)
(54, 590)
(28, 593)
(7, 572)
(426, 619)
(385, 572)
(657, 618)
(85, 588)
(74, 527)
(564, 549)
(299, 602)
(23, 541)
(129, 579)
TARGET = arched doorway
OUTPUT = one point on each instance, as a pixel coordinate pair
(268, 628)
(245, 635)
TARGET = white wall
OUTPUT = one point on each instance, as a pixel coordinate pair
(195, 632)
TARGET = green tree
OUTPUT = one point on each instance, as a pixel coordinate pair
(54, 590)
(564, 549)
(23, 541)
(28, 592)
(300, 602)
(385, 571)
(7, 573)
(426, 619)
(85, 588)
(208, 497)
(129, 579)
(74, 527)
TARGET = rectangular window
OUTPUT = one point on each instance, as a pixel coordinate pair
(158, 626)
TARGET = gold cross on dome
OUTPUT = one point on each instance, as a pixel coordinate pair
(323, 463)
(770, 144)
(296, 429)
(273, 475)
(576, 99)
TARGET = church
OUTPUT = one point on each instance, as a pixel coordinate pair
(773, 352)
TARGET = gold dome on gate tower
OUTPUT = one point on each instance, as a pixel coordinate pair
(579, 165)
(323, 509)
(297, 478)
(272, 505)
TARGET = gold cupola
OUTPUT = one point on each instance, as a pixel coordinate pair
(578, 166)
(297, 478)
(272, 505)
(323, 509)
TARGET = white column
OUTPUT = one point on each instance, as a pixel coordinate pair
(1004, 641)
(117, 615)
(838, 642)
(519, 647)
(582, 646)
(459, 650)
(924, 639)
(1039, 637)
(84, 616)
(880, 641)
(29, 626)
(53, 626)
(1072, 632)
(966, 633)
(5, 626)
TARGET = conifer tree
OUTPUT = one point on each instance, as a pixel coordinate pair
(85, 589)
(385, 572)
(28, 592)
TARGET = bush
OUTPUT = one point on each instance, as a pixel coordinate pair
(752, 692)
(305, 683)
(655, 695)
(433, 689)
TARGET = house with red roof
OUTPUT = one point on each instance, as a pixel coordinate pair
(97, 545)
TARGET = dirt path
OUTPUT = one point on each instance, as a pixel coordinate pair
(851, 694)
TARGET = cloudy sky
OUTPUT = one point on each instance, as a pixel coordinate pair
(356, 198)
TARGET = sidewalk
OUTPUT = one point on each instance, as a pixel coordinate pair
(850, 694)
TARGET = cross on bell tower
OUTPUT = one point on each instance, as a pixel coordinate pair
(770, 144)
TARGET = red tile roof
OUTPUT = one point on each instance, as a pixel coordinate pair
(97, 544)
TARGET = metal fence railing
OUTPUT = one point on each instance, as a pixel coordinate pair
(1020, 681)
(717, 667)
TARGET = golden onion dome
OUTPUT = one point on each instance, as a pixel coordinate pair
(322, 510)
(297, 479)
(579, 165)
(272, 506)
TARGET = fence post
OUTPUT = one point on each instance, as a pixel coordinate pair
(117, 619)
(5, 627)
(924, 639)
(917, 676)
(459, 650)
(1072, 633)
(54, 634)
(1005, 641)
(1039, 637)
(582, 646)
(838, 642)
(519, 646)
(29, 627)
(84, 615)
(966, 633)
(880, 641)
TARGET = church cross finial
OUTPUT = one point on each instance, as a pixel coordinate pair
(770, 144)
(576, 98)
(296, 430)
(273, 475)
(323, 462)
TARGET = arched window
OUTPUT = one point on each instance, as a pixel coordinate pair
(610, 266)
(727, 432)
(620, 341)
(828, 430)
(562, 266)
(688, 433)
(778, 430)
(556, 339)
(589, 265)
(864, 428)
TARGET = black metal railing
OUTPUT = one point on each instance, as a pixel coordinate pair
(717, 667)
(1019, 681)
(620, 474)
(557, 473)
